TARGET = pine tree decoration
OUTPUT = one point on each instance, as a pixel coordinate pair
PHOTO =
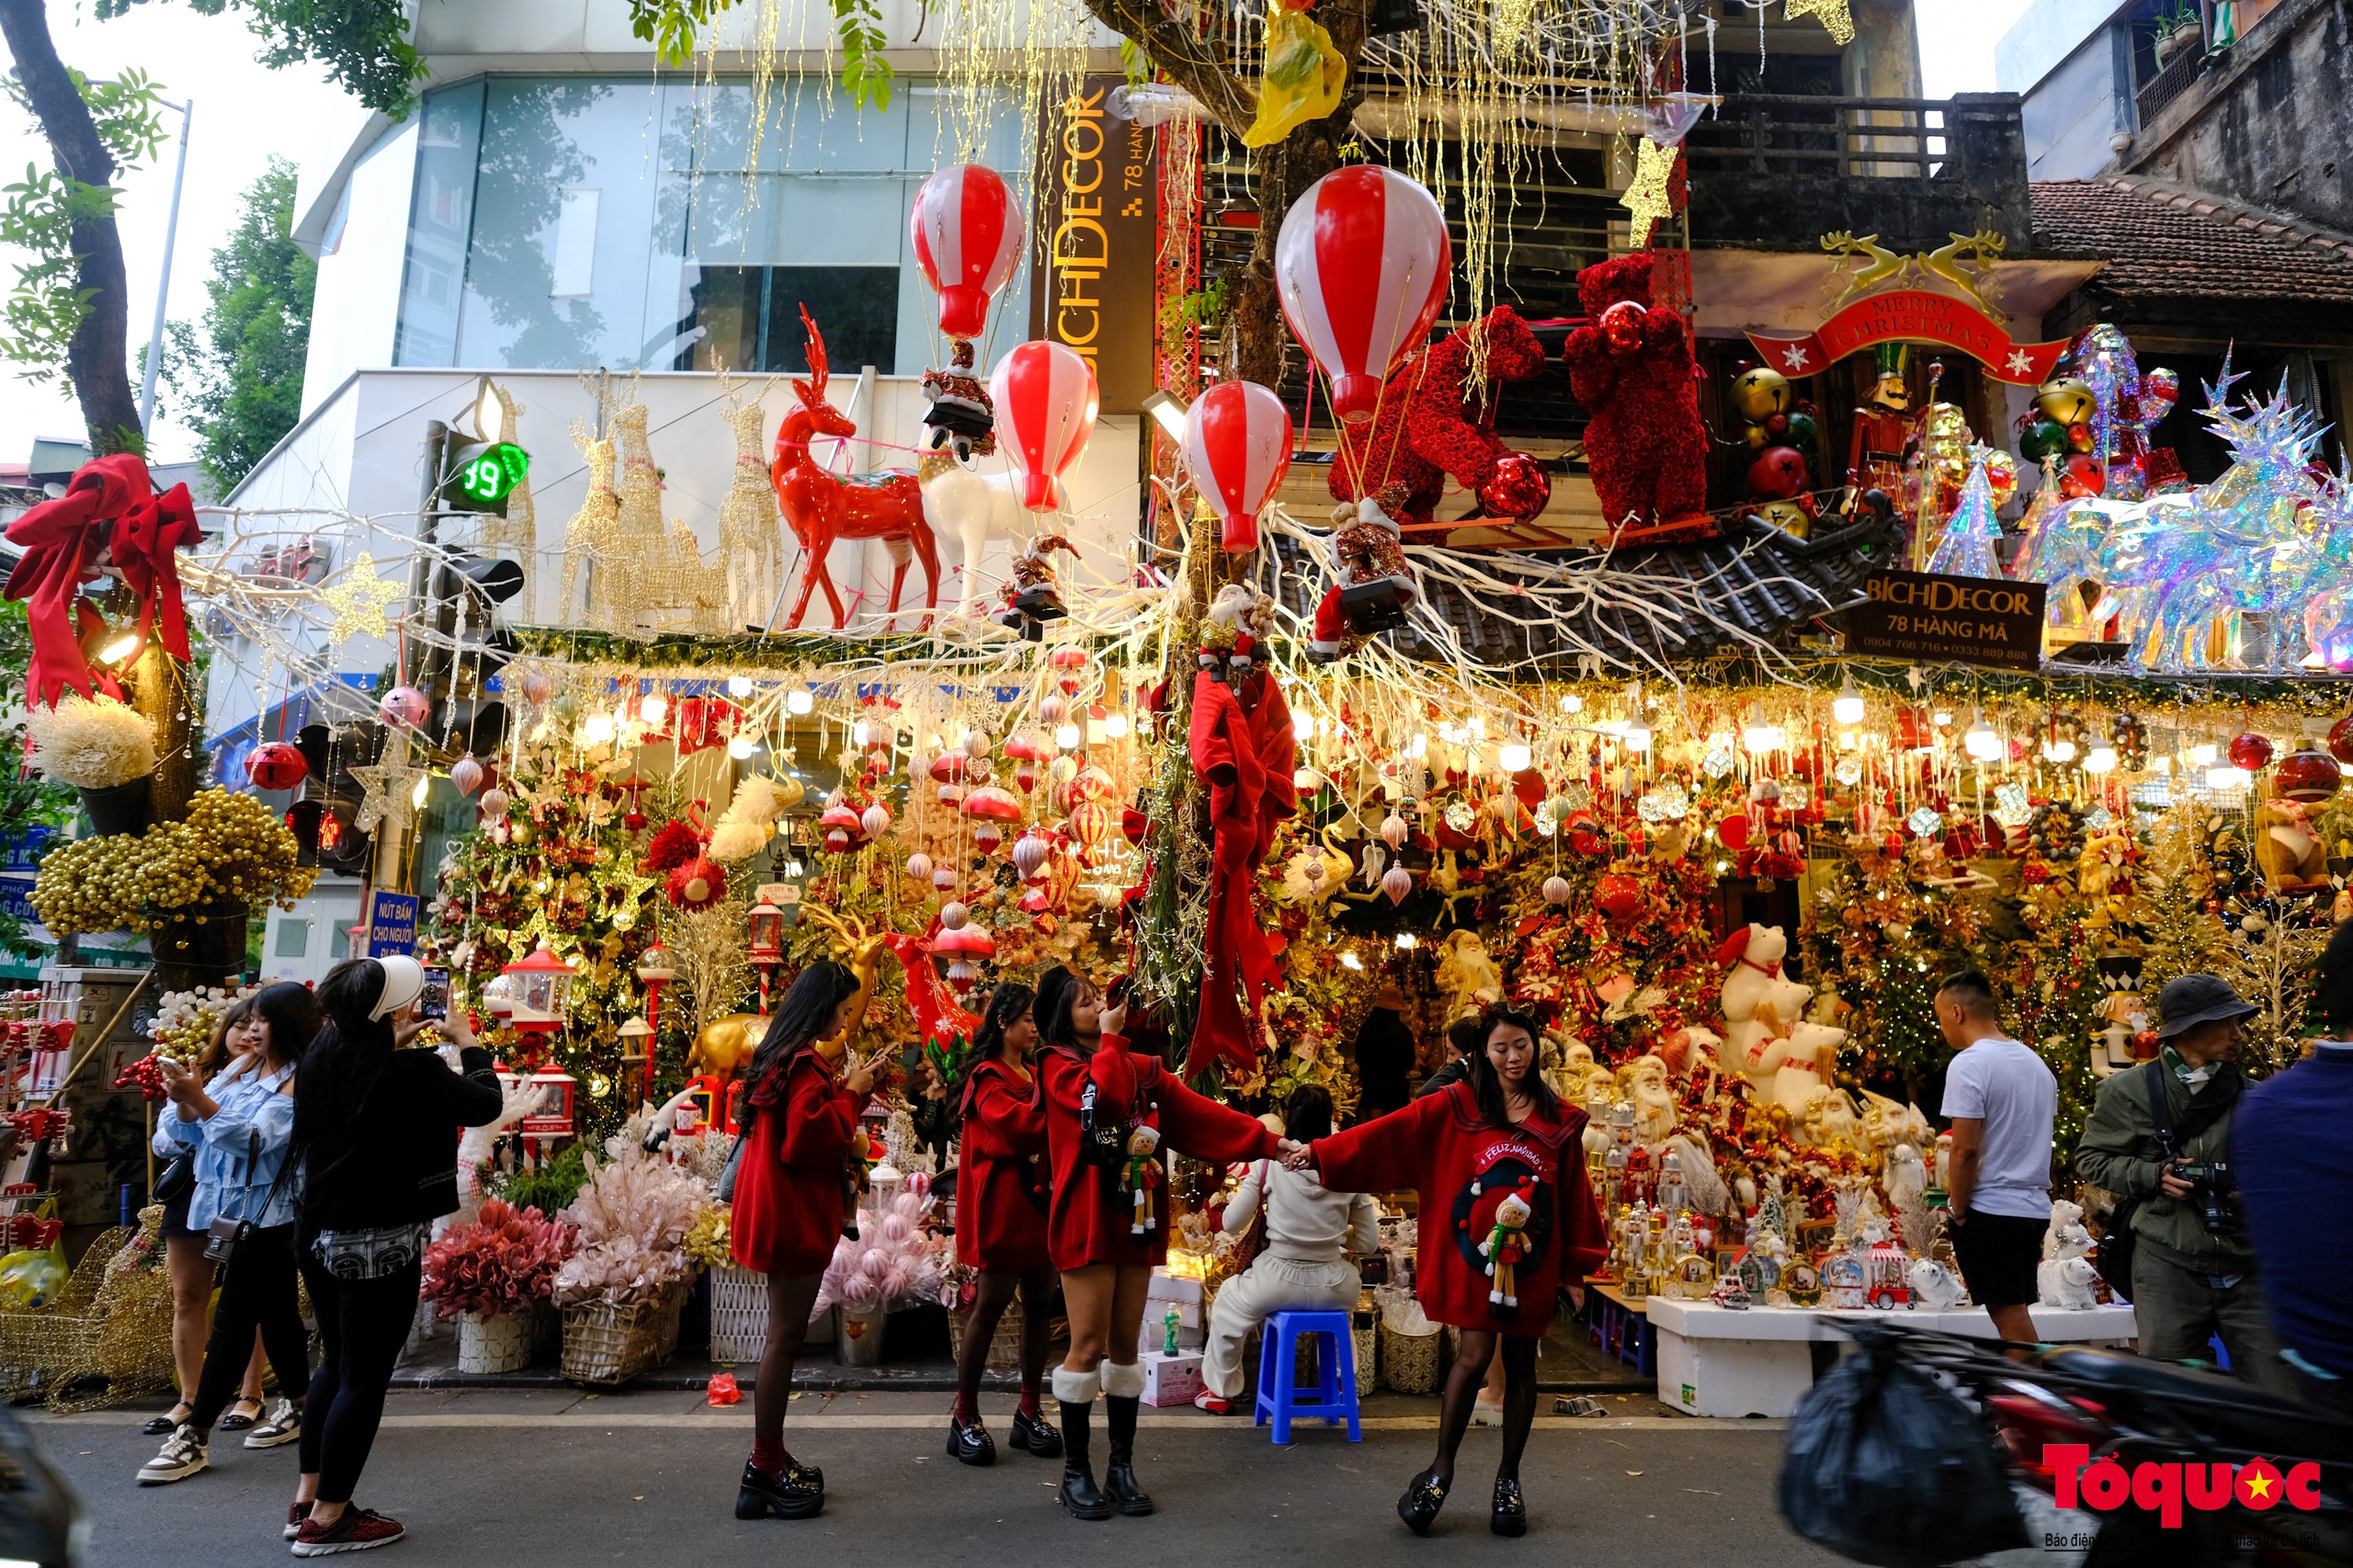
(1966, 548)
(2269, 962)
(2184, 937)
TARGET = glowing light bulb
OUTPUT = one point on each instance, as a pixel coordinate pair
(1116, 726)
(2059, 750)
(2203, 755)
(2099, 760)
(1944, 718)
(1760, 735)
(1407, 942)
(1349, 959)
(1848, 706)
(799, 702)
(1303, 727)
(651, 706)
(423, 788)
(1477, 726)
(1573, 703)
(1980, 742)
(739, 686)
(1514, 758)
(860, 733)
(121, 650)
(741, 747)
(597, 730)
(2226, 777)
(1066, 736)
(1636, 737)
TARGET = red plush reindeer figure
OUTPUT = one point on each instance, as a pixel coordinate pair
(1431, 424)
(822, 507)
(1631, 367)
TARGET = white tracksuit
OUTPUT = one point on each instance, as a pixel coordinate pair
(1300, 1266)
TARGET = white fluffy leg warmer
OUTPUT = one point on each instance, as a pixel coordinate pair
(1080, 1388)
(1123, 1380)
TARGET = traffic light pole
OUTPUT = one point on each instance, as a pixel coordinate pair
(391, 836)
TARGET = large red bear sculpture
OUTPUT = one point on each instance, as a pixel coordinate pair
(1430, 426)
(1633, 374)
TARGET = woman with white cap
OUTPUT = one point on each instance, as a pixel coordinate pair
(376, 1136)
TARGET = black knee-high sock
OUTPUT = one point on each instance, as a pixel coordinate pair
(1519, 1401)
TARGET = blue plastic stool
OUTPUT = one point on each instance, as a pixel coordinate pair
(1335, 1367)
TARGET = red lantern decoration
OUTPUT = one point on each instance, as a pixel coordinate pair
(2311, 777)
(275, 764)
(1046, 401)
(1238, 449)
(538, 989)
(654, 973)
(2251, 751)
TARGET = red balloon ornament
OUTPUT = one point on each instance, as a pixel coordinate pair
(1046, 400)
(1238, 449)
(1362, 265)
(968, 234)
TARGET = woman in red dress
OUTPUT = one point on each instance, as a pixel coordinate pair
(1498, 1135)
(792, 1193)
(1001, 1194)
(1109, 1114)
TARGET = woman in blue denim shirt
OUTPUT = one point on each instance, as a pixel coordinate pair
(240, 1125)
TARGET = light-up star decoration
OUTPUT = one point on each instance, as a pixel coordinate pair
(389, 795)
(358, 599)
(1831, 13)
(1646, 199)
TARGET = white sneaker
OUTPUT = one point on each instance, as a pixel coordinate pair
(182, 1455)
(279, 1422)
(1485, 1415)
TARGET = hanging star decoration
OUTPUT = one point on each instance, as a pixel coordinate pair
(1832, 14)
(1646, 199)
(358, 601)
(389, 795)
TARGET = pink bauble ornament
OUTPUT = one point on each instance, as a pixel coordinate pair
(1029, 853)
(953, 915)
(1556, 889)
(1394, 831)
(919, 865)
(943, 879)
(1397, 883)
(874, 819)
(493, 802)
(405, 706)
(534, 685)
(465, 775)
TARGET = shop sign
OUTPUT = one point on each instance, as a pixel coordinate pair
(1966, 621)
(392, 924)
(1911, 315)
(1098, 215)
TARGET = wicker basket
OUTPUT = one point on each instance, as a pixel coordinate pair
(739, 1315)
(1005, 1345)
(1367, 1357)
(608, 1344)
(1409, 1361)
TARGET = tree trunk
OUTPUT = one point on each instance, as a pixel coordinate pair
(97, 356)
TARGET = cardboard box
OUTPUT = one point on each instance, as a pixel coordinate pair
(1168, 1287)
(1171, 1380)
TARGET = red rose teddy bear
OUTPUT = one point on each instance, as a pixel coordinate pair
(1432, 424)
(1631, 367)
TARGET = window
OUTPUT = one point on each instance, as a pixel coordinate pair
(750, 317)
(293, 937)
(440, 211)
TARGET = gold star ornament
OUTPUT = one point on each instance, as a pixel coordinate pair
(389, 795)
(1833, 14)
(358, 599)
(1647, 200)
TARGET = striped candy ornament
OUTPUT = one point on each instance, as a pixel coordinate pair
(1046, 399)
(1237, 447)
(1362, 265)
(967, 235)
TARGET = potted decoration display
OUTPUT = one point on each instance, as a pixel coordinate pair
(102, 747)
(622, 1290)
(492, 1275)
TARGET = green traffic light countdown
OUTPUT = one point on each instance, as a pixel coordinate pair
(486, 481)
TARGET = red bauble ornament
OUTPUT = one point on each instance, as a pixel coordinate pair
(2340, 739)
(1617, 897)
(1733, 833)
(1622, 323)
(275, 764)
(1520, 488)
(2311, 777)
(2251, 751)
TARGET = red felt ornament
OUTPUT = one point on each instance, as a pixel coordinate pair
(674, 844)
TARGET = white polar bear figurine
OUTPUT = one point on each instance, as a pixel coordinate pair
(1760, 1004)
(2065, 1275)
(1934, 1285)
(1802, 1064)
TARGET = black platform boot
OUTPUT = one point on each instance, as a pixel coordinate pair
(970, 1442)
(1510, 1515)
(785, 1496)
(1119, 1475)
(1036, 1435)
(1078, 1496)
(1425, 1496)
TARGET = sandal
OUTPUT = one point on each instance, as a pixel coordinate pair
(232, 1422)
(165, 1425)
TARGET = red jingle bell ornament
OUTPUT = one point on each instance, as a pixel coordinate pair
(2251, 751)
(1618, 897)
(275, 764)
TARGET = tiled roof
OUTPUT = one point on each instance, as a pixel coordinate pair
(2164, 240)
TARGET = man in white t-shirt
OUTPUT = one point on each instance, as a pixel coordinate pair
(2002, 1101)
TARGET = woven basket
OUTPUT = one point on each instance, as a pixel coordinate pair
(1005, 1345)
(608, 1344)
(1409, 1361)
(739, 1315)
(1367, 1340)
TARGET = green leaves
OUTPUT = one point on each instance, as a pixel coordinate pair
(865, 73)
(363, 43)
(670, 25)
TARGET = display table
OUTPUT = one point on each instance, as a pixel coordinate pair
(1715, 1361)
(1621, 1329)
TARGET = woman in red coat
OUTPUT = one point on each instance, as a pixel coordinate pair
(1508, 1217)
(1001, 1193)
(1107, 1113)
(792, 1192)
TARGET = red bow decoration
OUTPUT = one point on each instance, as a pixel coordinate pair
(111, 507)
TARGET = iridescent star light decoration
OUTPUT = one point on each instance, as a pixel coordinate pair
(358, 599)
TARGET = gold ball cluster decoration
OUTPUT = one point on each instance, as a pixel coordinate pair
(230, 849)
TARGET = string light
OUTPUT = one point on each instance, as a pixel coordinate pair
(1116, 726)
(1980, 742)
(741, 747)
(1847, 708)
(739, 686)
(1573, 703)
(1514, 758)
(596, 730)
(2099, 759)
(654, 705)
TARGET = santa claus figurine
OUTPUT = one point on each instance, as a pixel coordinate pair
(1372, 587)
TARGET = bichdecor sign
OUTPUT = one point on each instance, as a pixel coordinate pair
(1911, 315)
(1099, 211)
(1969, 620)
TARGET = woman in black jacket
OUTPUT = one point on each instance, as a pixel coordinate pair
(376, 1133)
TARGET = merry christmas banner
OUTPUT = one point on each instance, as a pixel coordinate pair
(1911, 315)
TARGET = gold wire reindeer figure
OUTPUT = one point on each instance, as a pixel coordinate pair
(751, 529)
(1974, 278)
(1876, 264)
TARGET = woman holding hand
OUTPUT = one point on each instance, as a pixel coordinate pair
(793, 1191)
(1108, 1113)
(1508, 1217)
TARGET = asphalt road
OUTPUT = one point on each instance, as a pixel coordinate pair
(525, 1479)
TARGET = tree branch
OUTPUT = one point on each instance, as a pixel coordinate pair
(97, 356)
(1174, 49)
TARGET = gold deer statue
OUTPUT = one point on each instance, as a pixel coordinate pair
(1877, 264)
(1974, 278)
(724, 1046)
(863, 952)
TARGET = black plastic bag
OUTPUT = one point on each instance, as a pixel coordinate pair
(1886, 1466)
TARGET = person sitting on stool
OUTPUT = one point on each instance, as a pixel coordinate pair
(1302, 1267)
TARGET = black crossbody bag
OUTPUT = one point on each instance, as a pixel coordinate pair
(224, 1236)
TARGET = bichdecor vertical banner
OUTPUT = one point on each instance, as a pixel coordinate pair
(1097, 207)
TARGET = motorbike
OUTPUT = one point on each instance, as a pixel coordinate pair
(2048, 1417)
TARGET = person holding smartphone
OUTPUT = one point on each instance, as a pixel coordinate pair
(794, 1190)
(240, 1124)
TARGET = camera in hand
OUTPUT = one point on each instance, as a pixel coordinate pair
(2215, 1189)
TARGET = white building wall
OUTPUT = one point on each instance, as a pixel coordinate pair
(358, 303)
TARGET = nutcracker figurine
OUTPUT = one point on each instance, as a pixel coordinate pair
(1883, 428)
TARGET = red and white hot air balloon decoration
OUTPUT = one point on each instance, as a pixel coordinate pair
(968, 234)
(1362, 264)
(1046, 400)
(1237, 447)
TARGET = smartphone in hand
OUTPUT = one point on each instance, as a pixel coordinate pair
(433, 1002)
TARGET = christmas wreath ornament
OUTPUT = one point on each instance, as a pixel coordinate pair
(1373, 587)
(1644, 443)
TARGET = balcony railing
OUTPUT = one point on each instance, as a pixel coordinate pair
(1878, 138)
(2169, 83)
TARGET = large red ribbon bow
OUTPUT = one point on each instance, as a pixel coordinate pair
(111, 507)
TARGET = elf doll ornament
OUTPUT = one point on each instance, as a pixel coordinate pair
(1507, 1245)
(1141, 1174)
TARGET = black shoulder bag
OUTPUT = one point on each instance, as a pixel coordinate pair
(224, 1236)
(2114, 1258)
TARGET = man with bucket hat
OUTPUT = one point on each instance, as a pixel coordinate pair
(2159, 1138)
